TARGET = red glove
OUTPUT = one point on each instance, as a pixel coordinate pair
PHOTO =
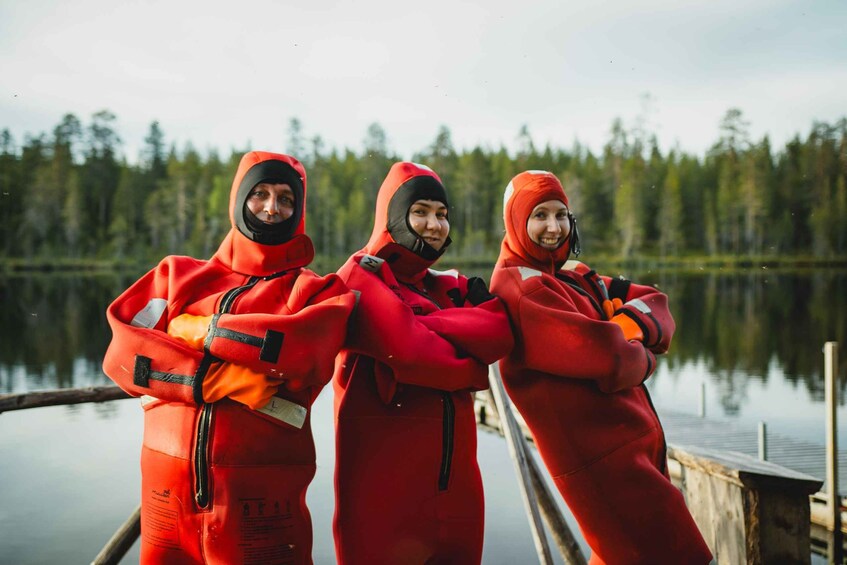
(190, 329)
(240, 384)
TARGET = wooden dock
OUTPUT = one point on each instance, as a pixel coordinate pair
(795, 454)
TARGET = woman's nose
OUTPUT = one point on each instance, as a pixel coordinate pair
(553, 225)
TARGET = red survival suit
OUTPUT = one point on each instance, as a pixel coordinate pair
(578, 383)
(408, 487)
(222, 483)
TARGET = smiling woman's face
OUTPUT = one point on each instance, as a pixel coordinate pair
(548, 224)
(429, 220)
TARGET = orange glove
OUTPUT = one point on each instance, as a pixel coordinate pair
(190, 329)
(240, 384)
(611, 306)
(631, 331)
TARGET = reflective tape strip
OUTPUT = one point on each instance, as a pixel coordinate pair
(527, 273)
(147, 399)
(639, 305)
(150, 315)
(448, 273)
(285, 411)
(510, 189)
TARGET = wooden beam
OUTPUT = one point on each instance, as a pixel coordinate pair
(59, 397)
(121, 540)
(517, 449)
(562, 535)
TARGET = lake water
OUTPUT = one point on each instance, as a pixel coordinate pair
(69, 476)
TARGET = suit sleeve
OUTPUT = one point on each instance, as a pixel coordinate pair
(385, 328)
(483, 331)
(142, 358)
(559, 340)
(299, 344)
(648, 308)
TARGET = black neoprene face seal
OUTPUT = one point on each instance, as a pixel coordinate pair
(252, 227)
(417, 188)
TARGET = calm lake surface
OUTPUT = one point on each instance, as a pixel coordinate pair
(69, 476)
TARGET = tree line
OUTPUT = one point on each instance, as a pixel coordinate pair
(71, 194)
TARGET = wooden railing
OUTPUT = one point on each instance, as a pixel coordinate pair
(762, 512)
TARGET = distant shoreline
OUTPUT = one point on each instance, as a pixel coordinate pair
(10, 266)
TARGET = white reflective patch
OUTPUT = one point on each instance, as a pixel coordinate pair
(150, 315)
(371, 263)
(539, 172)
(527, 273)
(572, 265)
(147, 399)
(510, 189)
(424, 167)
(285, 411)
(448, 273)
(639, 305)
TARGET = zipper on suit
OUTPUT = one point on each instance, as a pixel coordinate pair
(664, 458)
(448, 424)
(586, 294)
(202, 488)
(448, 418)
(201, 457)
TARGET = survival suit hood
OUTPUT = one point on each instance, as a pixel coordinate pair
(523, 193)
(252, 247)
(393, 238)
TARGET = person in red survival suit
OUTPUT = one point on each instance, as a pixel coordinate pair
(229, 354)
(408, 487)
(584, 345)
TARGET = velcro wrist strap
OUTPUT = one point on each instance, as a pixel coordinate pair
(619, 288)
(269, 346)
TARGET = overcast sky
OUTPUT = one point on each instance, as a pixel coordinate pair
(225, 74)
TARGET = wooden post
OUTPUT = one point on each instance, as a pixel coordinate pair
(763, 441)
(835, 542)
(749, 511)
(514, 439)
(121, 540)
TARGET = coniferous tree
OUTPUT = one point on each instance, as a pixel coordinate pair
(60, 196)
(10, 196)
(670, 215)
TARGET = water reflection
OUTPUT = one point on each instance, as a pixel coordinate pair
(53, 329)
(739, 325)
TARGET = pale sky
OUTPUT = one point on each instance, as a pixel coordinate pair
(225, 74)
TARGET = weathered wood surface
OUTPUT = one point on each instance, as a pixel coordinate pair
(121, 541)
(565, 540)
(795, 454)
(749, 511)
(518, 450)
(59, 397)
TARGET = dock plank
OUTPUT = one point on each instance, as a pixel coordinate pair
(793, 453)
